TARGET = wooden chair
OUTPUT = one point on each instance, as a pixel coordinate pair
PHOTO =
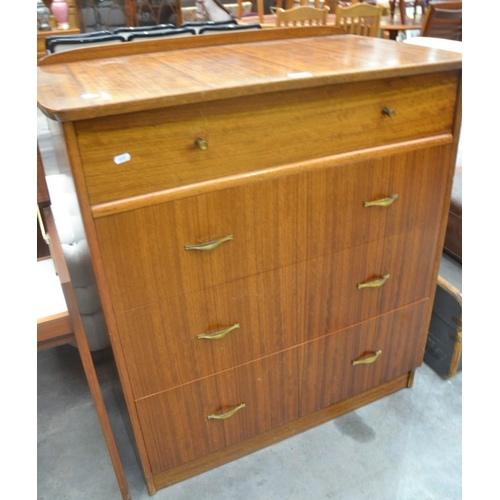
(443, 20)
(302, 16)
(359, 19)
(58, 318)
(404, 4)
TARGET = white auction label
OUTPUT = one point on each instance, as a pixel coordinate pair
(122, 158)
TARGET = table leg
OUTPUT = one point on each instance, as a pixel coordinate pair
(402, 11)
(393, 34)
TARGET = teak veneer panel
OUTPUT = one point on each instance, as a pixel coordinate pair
(307, 124)
(274, 223)
(275, 310)
(278, 389)
(273, 436)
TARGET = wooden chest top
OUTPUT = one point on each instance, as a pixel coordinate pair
(69, 91)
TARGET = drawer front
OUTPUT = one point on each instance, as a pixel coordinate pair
(269, 312)
(280, 388)
(273, 224)
(148, 152)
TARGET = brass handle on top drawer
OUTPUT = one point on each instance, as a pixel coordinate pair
(218, 335)
(382, 202)
(374, 283)
(209, 245)
(388, 111)
(367, 360)
(230, 413)
(201, 143)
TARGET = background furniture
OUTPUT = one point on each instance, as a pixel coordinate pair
(168, 33)
(43, 35)
(228, 28)
(453, 239)
(60, 44)
(73, 29)
(359, 19)
(253, 291)
(110, 14)
(198, 25)
(443, 20)
(302, 16)
(58, 317)
(443, 350)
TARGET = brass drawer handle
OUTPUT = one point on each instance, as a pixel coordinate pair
(201, 143)
(383, 202)
(209, 245)
(367, 360)
(388, 112)
(228, 414)
(374, 283)
(218, 335)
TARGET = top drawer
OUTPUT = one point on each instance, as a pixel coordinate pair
(146, 152)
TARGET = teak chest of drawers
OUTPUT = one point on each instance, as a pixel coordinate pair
(265, 220)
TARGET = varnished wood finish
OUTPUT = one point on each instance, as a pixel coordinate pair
(168, 44)
(111, 88)
(67, 327)
(289, 302)
(273, 436)
(331, 118)
(289, 165)
(277, 389)
(42, 192)
(54, 330)
(43, 200)
(266, 224)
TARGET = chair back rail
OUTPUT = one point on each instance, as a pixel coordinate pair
(443, 20)
(302, 16)
(359, 19)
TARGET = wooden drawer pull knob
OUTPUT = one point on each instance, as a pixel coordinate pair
(383, 202)
(367, 360)
(229, 414)
(388, 112)
(201, 144)
(209, 245)
(374, 283)
(218, 335)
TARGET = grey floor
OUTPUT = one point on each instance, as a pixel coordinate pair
(407, 446)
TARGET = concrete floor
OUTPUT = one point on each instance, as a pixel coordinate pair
(406, 446)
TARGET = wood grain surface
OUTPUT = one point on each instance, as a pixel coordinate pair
(274, 224)
(278, 389)
(274, 311)
(111, 86)
(307, 124)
